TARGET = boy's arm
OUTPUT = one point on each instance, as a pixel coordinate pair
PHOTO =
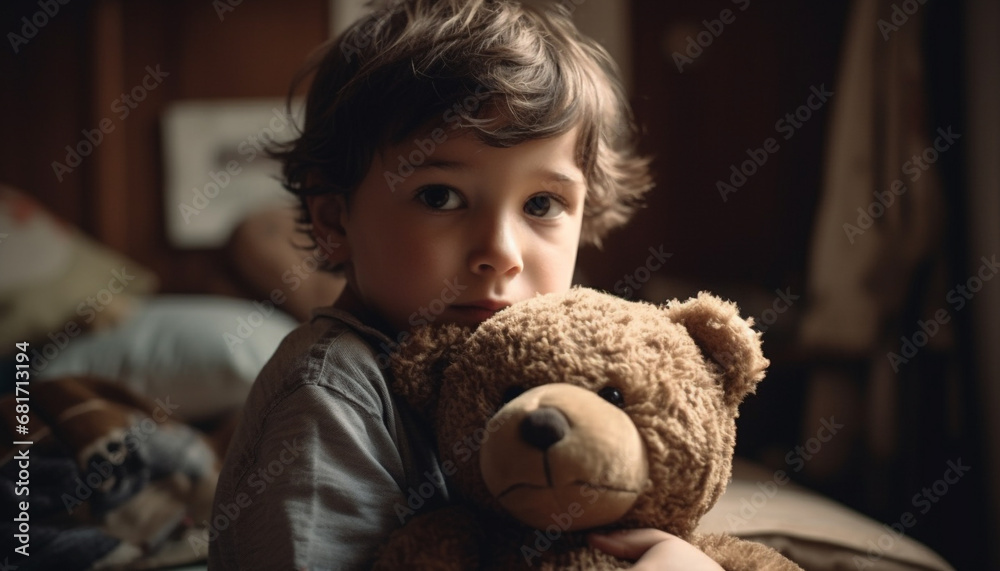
(324, 488)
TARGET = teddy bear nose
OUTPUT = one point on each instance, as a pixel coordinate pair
(543, 427)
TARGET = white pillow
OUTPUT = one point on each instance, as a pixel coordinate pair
(201, 352)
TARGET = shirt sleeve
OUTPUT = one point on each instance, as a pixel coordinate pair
(324, 488)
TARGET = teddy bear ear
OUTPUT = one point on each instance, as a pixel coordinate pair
(419, 363)
(729, 343)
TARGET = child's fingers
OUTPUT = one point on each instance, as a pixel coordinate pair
(628, 544)
(654, 549)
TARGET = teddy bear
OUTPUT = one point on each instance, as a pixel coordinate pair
(576, 412)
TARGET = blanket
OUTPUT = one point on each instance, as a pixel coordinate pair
(97, 477)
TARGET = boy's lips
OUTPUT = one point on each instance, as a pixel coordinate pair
(490, 304)
(479, 310)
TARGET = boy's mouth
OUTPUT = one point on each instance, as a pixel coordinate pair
(480, 310)
(490, 304)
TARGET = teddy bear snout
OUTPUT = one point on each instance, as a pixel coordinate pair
(543, 427)
(562, 451)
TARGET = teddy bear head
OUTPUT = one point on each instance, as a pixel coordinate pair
(584, 410)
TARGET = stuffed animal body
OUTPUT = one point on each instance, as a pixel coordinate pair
(578, 412)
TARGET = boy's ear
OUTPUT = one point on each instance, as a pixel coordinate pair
(328, 213)
(419, 363)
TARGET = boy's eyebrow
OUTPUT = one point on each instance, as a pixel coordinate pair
(557, 176)
(548, 174)
(439, 164)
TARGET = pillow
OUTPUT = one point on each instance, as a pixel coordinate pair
(57, 282)
(815, 532)
(268, 252)
(199, 354)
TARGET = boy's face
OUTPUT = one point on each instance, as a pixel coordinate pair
(451, 230)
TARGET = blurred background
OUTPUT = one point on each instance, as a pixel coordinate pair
(831, 166)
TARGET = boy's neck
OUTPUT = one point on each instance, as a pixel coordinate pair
(351, 303)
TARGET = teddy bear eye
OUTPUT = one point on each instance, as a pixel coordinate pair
(613, 396)
(511, 393)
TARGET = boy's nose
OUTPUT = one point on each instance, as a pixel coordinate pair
(497, 250)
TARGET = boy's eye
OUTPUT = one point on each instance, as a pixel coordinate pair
(440, 197)
(544, 206)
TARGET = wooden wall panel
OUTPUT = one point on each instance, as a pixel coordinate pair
(700, 121)
(252, 51)
(71, 77)
(44, 90)
(109, 179)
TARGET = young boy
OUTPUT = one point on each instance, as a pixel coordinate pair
(454, 155)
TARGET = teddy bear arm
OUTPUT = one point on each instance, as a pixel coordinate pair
(445, 539)
(735, 554)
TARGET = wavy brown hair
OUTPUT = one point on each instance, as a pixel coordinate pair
(411, 63)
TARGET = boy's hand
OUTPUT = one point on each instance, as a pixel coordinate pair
(653, 549)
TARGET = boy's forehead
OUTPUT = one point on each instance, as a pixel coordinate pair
(445, 147)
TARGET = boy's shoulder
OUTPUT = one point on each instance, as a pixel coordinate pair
(333, 350)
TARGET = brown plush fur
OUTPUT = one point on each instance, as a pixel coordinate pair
(682, 369)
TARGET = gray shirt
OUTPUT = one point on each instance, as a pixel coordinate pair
(325, 462)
